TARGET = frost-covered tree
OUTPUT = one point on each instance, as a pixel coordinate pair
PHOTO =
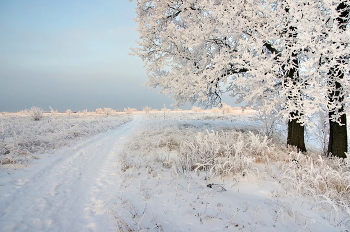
(107, 111)
(338, 79)
(326, 58)
(180, 44)
(266, 52)
(147, 109)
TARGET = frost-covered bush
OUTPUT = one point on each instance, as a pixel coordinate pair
(317, 131)
(21, 139)
(327, 180)
(147, 109)
(226, 109)
(99, 111)
(129, 110)
(215, 110)
(223, 153)
(24, 112)
(164, 109)
(107, 111)
(196, 109)
(36, 113)
(217, 149)
(269, 122)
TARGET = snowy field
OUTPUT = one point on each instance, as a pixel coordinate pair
(164, 171)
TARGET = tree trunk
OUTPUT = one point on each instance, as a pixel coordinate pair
(338, 138)
(291, 77)
(296, 135)
(295, 129)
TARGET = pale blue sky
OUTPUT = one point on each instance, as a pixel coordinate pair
(71, 54)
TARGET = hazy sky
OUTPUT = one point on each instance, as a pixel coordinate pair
(71, 54)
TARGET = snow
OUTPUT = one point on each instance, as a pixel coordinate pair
(127, 179)
(65, 191)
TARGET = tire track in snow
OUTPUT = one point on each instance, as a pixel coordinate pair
(70, 191)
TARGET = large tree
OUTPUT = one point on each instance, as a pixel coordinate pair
(338, 67)
(263, 51)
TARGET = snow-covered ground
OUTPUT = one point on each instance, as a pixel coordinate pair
(176, 171)
(67, 190)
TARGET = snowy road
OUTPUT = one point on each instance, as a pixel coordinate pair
(67, 191)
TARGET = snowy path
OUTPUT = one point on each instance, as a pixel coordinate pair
(66, 191)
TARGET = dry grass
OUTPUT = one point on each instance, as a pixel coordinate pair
(21, 137)
(186, 147)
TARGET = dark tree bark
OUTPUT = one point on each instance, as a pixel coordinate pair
(296, 135)
(291, 77)
(295, 129)
(338, 138)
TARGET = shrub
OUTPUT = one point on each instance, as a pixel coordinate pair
(99, 111)
(196, 109)
(36, 113)
(226, 109)
(215, 110)
(24, 112)
(107, 111)
(147, 109)
(269, 122)
(129, 110)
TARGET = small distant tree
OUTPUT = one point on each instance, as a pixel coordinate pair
(129, 110)
(68, 111)
(147, 109)
(36, 113)
(99, 111)
(164, 109)
(225, 109)
(107, 111)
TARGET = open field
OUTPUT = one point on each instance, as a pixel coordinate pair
(164, 171)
